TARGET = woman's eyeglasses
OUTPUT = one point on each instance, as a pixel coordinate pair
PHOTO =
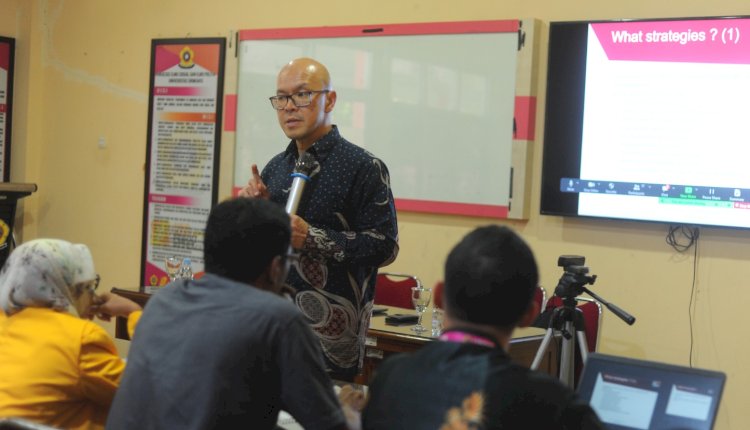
(95, 283)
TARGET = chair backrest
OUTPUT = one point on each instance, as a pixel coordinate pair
(437, 295)
(592, 324)
(394, 289)
(592, 320)
(540, 296)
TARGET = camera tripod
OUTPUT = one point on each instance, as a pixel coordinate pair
(568, 320)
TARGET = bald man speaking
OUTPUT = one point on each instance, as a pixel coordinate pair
(345, 225)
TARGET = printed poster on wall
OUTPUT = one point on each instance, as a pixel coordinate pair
(182, 156)
(7, 49)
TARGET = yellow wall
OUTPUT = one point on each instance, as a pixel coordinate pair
(16, 19)
(82, 73)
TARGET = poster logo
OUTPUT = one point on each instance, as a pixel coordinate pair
(4, 233)
(187, 57)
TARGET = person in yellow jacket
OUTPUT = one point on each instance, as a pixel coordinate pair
(57, 367)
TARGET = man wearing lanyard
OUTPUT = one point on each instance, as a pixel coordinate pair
(467, 379)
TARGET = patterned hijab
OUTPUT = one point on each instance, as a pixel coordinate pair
(41, 273)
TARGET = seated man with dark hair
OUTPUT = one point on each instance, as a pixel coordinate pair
(227, 351)
(466, 379)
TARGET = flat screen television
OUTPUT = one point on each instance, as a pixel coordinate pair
(649, 120)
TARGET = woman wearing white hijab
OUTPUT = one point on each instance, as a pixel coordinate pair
(56, 367)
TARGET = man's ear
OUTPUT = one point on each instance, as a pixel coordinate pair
(530, 315)
(330, 101)
(272, 278)
(276, 270)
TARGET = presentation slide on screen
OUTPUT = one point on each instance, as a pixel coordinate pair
(665, 122)
(624, 401)
(689, 402)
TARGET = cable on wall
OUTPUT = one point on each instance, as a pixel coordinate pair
(681, 238)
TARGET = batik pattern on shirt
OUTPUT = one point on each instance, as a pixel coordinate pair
(349, 206)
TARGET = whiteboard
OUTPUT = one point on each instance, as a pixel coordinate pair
(434, 101)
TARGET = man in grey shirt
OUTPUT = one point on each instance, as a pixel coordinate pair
(228, 351)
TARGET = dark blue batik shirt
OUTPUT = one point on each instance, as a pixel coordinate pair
(349, 206)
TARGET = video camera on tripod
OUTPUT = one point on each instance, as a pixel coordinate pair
(567, 319)
(574, 278)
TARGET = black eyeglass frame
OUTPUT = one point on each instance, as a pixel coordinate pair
(279, 102)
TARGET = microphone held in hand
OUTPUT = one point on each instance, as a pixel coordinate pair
(306, 165)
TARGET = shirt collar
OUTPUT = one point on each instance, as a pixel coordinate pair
(321, 148)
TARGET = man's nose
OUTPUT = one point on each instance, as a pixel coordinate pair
(290, 104)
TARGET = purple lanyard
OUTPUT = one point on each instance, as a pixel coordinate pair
(464, 337)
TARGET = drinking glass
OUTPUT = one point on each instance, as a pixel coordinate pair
(420, 297)
(172, 265)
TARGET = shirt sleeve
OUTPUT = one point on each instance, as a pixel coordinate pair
(133, 319)
(372, 237)
(100, 366)
(306, 390)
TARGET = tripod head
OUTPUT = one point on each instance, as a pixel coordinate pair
(572, 281)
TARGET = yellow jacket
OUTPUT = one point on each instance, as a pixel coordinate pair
(57, 369)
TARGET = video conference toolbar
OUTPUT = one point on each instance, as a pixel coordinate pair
(668, 193)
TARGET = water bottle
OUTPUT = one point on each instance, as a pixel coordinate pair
(186, 271)
(437, 322)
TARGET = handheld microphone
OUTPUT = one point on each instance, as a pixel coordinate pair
(305, 166)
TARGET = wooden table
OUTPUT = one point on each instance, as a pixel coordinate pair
(384, 340)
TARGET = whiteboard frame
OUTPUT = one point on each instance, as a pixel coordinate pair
(524, 111)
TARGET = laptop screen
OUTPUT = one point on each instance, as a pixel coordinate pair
(637, 394)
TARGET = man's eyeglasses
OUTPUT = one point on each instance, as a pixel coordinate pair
(299, 99)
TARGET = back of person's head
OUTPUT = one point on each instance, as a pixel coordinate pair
(490, 277)
(47, 273)
(242, 237)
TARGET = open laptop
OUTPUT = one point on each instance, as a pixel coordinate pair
(637, 394)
